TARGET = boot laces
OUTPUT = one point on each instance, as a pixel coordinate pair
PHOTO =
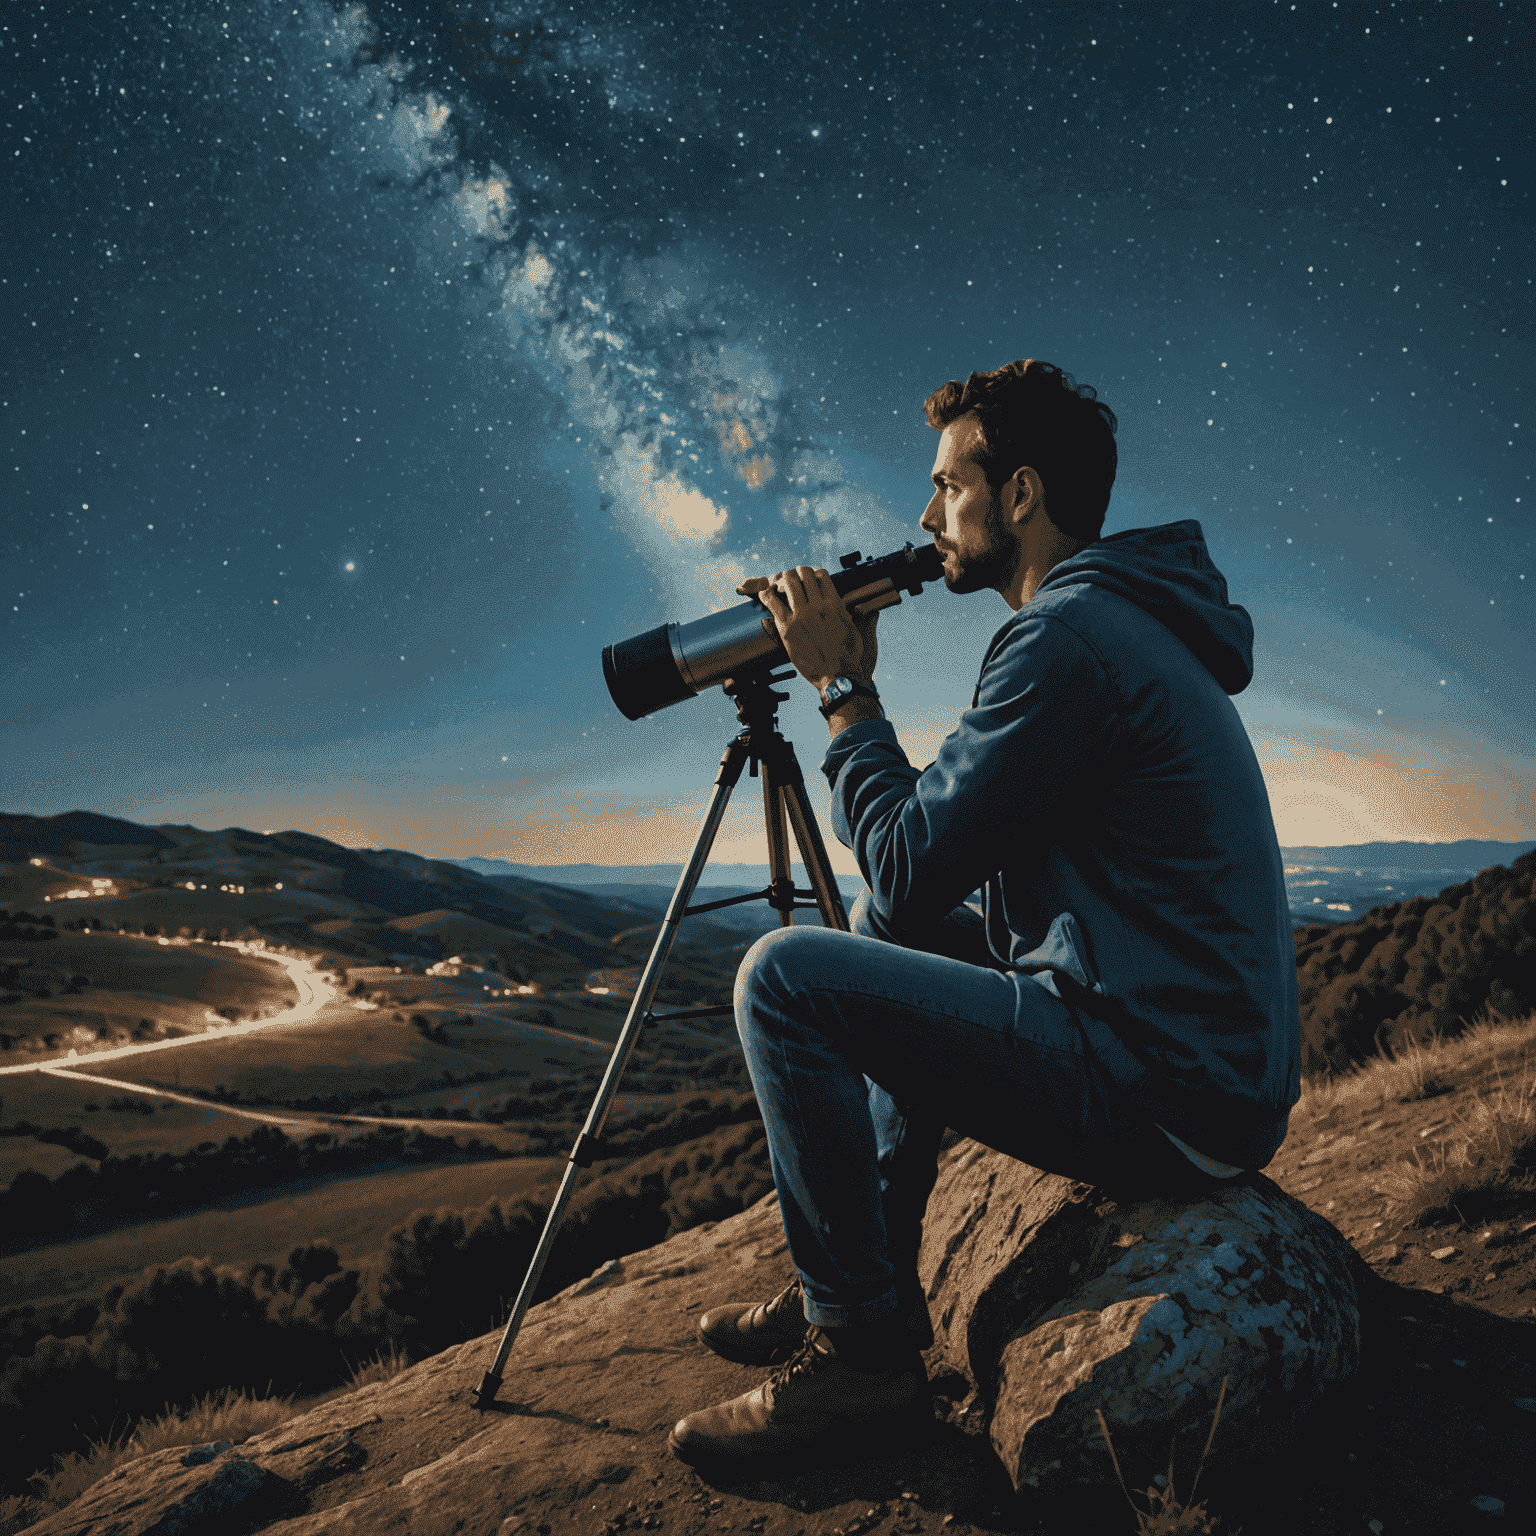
(791, 1293)
(806, 1358)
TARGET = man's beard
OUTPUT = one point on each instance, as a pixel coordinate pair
(995, 565)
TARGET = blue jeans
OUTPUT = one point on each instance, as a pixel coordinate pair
(862, 1049)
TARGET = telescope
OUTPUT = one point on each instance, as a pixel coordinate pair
(674, 662)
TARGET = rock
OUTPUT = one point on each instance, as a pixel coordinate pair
(201, 1453)
(164, 1495)
(1051, 1302)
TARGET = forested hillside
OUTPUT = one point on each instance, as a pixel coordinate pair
(1418, 968)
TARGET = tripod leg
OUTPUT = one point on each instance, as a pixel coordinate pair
(731, 764)
(782, 778)
(817, 865)
(780, 878)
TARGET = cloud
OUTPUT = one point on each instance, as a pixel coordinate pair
(1323, 798)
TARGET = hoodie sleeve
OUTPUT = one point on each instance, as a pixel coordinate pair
(1035, 733)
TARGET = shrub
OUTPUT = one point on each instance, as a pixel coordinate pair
(36, 1209)
(174, 1334)
(450, 1274)
(1419, 968)
(180, 1331)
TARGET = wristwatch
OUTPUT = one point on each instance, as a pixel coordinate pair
(841, 688)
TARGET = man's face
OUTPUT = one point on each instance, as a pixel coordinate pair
(965, 516)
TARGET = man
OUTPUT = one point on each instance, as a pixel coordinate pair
(1123, 1011)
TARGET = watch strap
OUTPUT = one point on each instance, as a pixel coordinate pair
(853, 688)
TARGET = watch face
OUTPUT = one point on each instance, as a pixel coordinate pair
(834, 693)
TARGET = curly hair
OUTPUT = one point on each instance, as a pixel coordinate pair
(1030, 412)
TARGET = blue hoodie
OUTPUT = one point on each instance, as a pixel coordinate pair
(1103, 790)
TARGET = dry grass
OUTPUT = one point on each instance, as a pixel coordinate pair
(228, 1415)
(1487, 1166)
(384, 1366)
(1487, 1173)
(1414, 1070)
(1166, 1514)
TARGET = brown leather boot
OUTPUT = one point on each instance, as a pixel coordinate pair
(814, 1405)
(757, 1332)
(768, 1332)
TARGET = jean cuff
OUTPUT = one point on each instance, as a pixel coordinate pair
(851, 1317)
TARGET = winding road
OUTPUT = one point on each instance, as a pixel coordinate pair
(314, 992)
(313, 989)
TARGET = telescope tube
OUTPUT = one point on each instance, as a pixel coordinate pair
(673, 662)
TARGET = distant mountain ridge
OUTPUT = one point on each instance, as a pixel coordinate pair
(1405, 855)
(1324, 885)
(736, 876)
(1427, 856)
(1327, 885)
(370, 905)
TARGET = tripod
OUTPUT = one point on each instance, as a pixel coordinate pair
(783, 791)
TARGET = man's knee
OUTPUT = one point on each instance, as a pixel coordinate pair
(783, 971)
(774, 964)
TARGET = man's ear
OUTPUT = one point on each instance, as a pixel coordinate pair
(1028, 492)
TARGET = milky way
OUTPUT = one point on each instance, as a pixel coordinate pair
(368, 368)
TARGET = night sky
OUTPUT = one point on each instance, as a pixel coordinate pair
(367, 369)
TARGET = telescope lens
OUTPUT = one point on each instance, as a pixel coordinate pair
(642, 675)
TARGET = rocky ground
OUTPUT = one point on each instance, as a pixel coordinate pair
(1434, 1436)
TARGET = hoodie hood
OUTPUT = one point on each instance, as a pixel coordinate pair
(1168, 573)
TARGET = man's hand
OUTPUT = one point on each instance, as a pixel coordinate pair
(825, 635)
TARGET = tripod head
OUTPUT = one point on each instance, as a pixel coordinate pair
(757, 704)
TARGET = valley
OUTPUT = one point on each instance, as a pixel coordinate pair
(318, 1098)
